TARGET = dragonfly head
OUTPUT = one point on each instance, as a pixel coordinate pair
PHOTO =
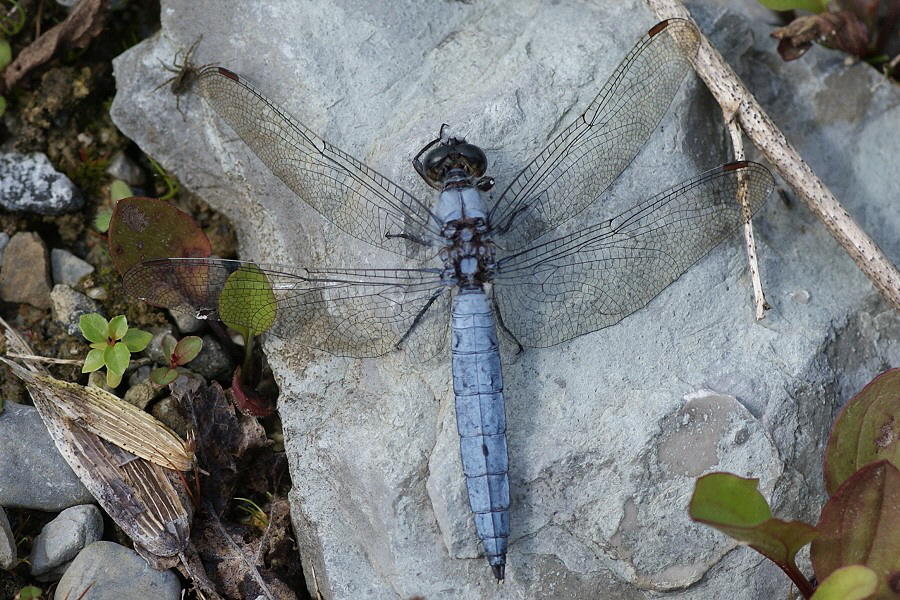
(454, 154)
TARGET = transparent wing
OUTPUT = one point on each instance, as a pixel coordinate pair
(597, 276)
(359, 200)
(590, 154)
(348, 312)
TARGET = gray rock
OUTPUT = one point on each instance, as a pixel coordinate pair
(25, 275)
(64, 537)
(67, 268)
(68, 306)
(114, 572)
(4, 240)
(213, 361)
(141, 394)
(8, 555)
(31, 184)
(187, 324)
(607, 432)
(34, 474)
(122, 167)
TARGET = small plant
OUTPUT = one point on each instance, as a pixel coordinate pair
(29, 592)
(179, 354)
(256, 517)
(855, 550)
(12, 19)
(112, 343)
(170, 182)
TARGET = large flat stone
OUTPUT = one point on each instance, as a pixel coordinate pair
(608, 432)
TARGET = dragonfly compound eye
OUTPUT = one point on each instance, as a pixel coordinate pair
(468, 157)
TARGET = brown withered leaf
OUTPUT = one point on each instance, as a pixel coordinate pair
(841, 30)
(146, 500)
(83, 24)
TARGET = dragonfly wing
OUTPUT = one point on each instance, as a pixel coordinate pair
(348, 312)
(595, 277)
(356, 198)
(582, 161)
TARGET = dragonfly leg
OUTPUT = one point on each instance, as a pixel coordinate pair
(519, 347)
(417, 161)
(419, 316)
(407, 236)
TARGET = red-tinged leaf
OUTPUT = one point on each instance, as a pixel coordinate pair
(848, 583)
(168, 346)
(841, 30)
(163, 376)
(247, 400)
(187, 349)
(146, 228)
(860, 525)
(866, 430)
(734, 506)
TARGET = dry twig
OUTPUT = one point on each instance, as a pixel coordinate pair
(740, 106)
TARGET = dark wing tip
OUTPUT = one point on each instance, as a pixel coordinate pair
(226, 73)
(734, 166)
(658, 27)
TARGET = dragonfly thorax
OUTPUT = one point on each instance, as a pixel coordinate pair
(468, 256)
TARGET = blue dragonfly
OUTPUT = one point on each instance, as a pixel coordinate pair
(491, 264)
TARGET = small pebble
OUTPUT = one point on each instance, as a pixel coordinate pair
(67, 268)
(114, 572)
(213, 361)
(34, 473)
(64, 537)
(68, 306)
(4, 240)
(800, 297)
(31, 184)
(122, 167)
(8, 556)
(25, 275)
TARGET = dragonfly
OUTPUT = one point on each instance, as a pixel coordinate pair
(503, 264)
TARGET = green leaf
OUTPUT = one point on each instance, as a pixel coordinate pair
(136, 340)
(163, 376)
(168, 346)
(113, 379)
(854, 582)
(860, 525)
(93, 327)
(247, 299)
(29, 592)
(101, 221)
(866, 430)
(814, 6)
(187, 349)
(118, 189)
(734, 506)
(5, 53)
(118, 326)
(116, 358)
(93, 361)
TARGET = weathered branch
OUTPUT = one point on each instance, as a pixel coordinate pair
(740, 106)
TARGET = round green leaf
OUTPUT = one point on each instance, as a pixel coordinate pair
(136, 340)
(93, 361)
(118, 327)
(113, 379)
(187, 349)
(116, 358)
(854, 582)
(247, 300)
(728, 499)
(93, 327)
(118, 189)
